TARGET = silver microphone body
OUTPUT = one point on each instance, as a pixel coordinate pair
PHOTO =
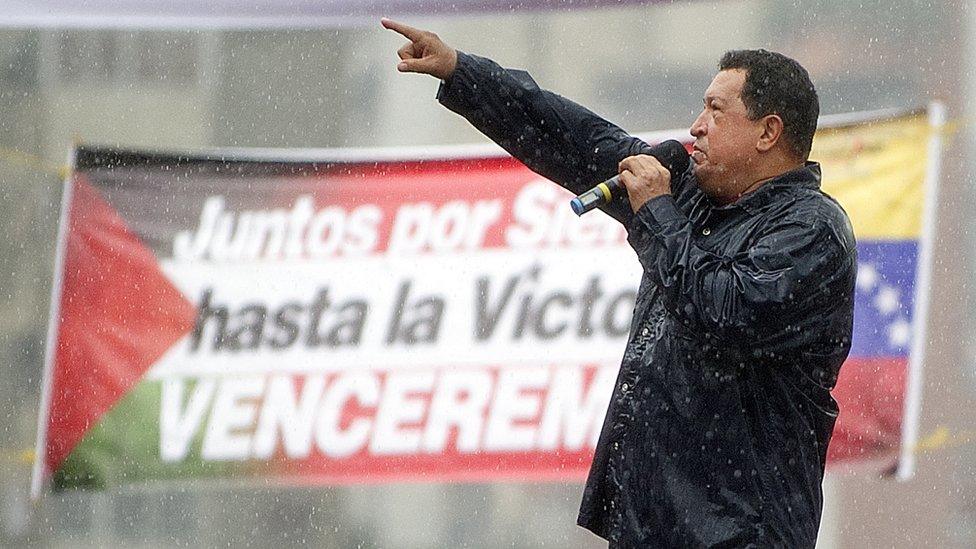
(602, 193)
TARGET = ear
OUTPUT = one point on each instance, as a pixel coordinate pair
(772, 130)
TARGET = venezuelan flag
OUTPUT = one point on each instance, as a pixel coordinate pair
(877, 169)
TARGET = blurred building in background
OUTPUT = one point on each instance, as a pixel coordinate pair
(643, 67)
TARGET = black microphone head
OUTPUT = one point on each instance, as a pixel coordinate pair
(672, 155)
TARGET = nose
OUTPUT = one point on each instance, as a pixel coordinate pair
(698, 126)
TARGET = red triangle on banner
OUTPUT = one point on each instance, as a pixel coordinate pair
(119, 313)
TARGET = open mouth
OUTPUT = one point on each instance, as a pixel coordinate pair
(698, 156)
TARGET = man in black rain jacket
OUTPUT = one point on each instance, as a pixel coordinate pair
(717, 430)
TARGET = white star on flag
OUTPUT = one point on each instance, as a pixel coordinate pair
(887, 299)
(867, 277)
(899, 333)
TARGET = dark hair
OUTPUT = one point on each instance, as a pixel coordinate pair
(776, 84)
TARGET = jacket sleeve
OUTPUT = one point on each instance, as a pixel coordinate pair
(550, 134)
(755, 296)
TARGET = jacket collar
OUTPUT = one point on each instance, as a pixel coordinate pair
(807, 176)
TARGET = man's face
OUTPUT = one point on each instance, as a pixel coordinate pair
(725, 138)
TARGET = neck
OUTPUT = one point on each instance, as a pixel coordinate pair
(764, 173)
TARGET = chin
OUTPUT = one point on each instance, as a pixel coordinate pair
(708, 184)
(702, 174)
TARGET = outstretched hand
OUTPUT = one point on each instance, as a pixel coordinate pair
(426, 53)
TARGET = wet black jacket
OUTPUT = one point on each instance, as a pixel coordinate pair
(717, 430)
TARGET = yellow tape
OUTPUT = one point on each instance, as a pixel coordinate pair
(33, 162)
(606, 191)
(25, 457)
(943, 438)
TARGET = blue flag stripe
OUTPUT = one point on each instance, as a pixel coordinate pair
(884, 298)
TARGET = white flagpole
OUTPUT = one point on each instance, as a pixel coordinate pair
(39, 473)
(923, 283)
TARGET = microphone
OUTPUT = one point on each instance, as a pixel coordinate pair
(671, 154)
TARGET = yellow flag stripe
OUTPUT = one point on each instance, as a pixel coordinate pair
(877, 171)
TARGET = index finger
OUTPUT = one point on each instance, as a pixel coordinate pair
(628, 162)
(404, 29)
(653, 160)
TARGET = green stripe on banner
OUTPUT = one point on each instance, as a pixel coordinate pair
(124, 448)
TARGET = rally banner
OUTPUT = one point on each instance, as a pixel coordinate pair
(259, 14)
(347, 317)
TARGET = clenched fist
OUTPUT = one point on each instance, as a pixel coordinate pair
(426, 53)
(644, 178)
